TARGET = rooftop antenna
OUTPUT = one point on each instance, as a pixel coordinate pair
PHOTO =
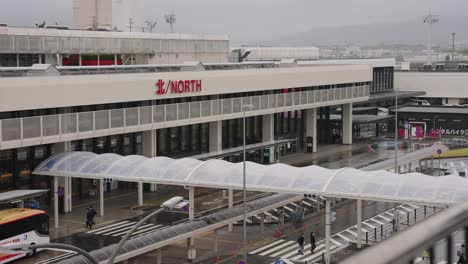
(151, 25)
(171, 20)
(429, 20)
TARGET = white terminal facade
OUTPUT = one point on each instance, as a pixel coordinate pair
(190, 109)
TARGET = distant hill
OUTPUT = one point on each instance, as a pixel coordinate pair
(407, 32)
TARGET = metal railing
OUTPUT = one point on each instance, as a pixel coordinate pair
(410, 244)
(72, 126)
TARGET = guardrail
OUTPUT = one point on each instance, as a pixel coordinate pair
(28, 131)
(408, 245)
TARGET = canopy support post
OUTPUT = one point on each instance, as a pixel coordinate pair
(56, 202)
(230, 205)
(359, 223)
(140, 193)
(101, 197)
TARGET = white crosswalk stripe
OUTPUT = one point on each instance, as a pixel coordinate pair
(121, 228)
(267, 246)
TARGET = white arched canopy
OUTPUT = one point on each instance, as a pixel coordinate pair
(345, 183)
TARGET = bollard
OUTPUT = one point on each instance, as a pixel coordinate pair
(375, 233)
(407, 218)
(415, 215)
(381, 232)
(434, 208)
(323, 257)
(424, 211)
(367, 238)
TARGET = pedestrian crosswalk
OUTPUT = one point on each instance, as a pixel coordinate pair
(288, 249)
(121, 228)
(454, 167)
(306, 205)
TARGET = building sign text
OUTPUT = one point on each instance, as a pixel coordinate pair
(178, 86)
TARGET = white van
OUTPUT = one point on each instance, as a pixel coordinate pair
(419, 102)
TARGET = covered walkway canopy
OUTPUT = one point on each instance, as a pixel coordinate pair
(19, 195)
(280, 178)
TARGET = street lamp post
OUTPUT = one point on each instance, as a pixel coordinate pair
(395, 212)
(244, 213)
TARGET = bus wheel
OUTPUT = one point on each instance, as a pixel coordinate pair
(31, 252)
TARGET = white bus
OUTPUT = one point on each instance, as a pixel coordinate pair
(19, 226)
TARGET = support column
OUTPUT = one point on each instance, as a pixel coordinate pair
(17, 60)
(215, 241)
(101, 197)
(98, 60)
(140, 193)
(149, 149)
(65, 182)
(347, 121)
(262, 224)
(158, 256)
(327, 230)
(268, 134)
(311, 127)
(115, 59)
(230, 205)
(39, 58)
(56, 202)
(80, 60)
(409, 167)
(359, 223)
(216, 136)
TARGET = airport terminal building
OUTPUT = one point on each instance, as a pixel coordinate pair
(169, 107)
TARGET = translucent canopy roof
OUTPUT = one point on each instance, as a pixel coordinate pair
(345, 183)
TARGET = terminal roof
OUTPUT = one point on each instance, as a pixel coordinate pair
(280, 178)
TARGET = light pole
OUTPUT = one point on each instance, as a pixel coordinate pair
(244, 213)
(395, 212)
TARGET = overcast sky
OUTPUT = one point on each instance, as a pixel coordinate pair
(247, 20)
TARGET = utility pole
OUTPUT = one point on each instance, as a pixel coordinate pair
(453, 46)
(171, 20)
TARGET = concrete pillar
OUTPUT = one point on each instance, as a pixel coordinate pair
(268, 134)
(98, 60)
(262, 224)
(65, 182)
(347, 120)
(39, 58)
(158, 256)
(80, 60)
(56, 202)
(311, 127)
(409, 167)
(359, 223)
(59, 60)
(216, 136)
(140, 193)
(101, 197)
(215, 241)
(17, 60)
(327, 230)
(115, 59)
(149, 149)
(230, 205)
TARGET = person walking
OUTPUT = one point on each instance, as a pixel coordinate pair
(300, 242)
(90, 214)
(312, 242)
(461, 255)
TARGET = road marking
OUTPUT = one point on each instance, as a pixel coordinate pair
(377, 221)
(344, 237)
(112, 228)
(277, 247)
(369, 225)
(123, 231)
(406, 209)
(266, 246)
(335, 242)
(351, 232)
(385, 218)
(318, 254)
(104, 227)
